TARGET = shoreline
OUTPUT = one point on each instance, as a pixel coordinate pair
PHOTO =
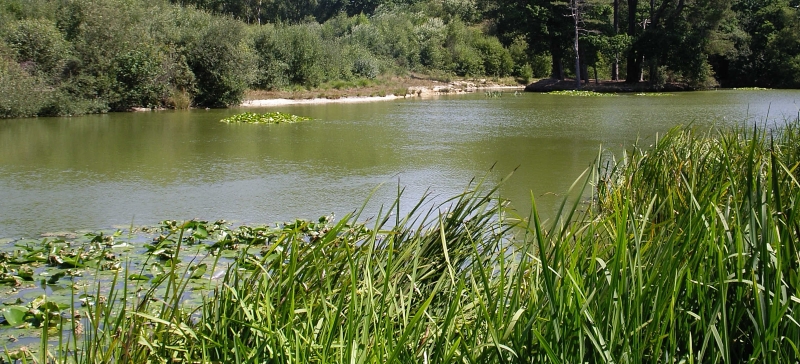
(421, 92)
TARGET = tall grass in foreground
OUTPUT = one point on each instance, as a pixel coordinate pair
(687, 254)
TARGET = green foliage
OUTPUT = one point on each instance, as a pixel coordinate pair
(541, 65)
(140, 79)
(265, 118)
(467, 61)
(497, 60)
(40, 46)
(21, 94)
(290, 55)
(366, 67)
(222, 63)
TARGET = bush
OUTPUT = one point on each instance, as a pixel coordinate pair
(62, 103)
(366, 67)
(21, 94)
(40, 46)
(541, 65)
(467, 61)
(496, 59)
(466, 10)
(305, 54)
(432, 55)
(525, 73)
(222, 63)
(140, 79)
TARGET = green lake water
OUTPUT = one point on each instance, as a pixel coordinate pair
(102, 171)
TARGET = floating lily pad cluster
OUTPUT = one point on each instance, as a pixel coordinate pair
(579, 93)
(653, 94)
(265, 118)
(47, 280)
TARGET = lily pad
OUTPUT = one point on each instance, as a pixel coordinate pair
(265, 118)
(15, 315)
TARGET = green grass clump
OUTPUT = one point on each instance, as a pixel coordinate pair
(265, 118)
(579, 93)
(686, 252)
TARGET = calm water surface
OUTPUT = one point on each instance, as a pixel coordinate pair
(101, 171)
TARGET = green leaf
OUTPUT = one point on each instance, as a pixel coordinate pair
(138, 277)
(198, 271)
(15, 315)
(55, 277)
(200, 232)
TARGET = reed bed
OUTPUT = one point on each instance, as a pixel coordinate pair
(686, 253)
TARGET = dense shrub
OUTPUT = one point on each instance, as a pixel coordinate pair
(467, 61)
(366, 67)
(290, 55)
(20, 93)
(40, 47)
(140, 79)
(496, 59)
(222, 63)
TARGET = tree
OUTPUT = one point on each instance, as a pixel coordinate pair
(223, 64)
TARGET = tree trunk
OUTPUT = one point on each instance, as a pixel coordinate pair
(634, 61)
(557, 65)
(576, 48)
(615, 65)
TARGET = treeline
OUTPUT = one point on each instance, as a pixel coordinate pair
(703, 43)
(67, 57)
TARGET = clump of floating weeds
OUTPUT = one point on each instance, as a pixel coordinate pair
(750, 89)
(653, 94)
(265, 118)
(579, 93)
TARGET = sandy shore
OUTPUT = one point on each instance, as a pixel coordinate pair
(455, 88)
(317, 101)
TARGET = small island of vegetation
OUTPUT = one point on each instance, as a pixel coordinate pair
(265, 118)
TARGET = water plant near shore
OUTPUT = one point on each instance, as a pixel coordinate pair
(653, 94)
(276, 117)
(580, 93)
(687, 252)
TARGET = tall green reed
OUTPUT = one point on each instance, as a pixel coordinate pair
(687, 252)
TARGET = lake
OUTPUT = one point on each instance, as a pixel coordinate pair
(104, 171)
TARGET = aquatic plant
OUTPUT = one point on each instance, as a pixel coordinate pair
(685, 252)
(265, 118)
(580, 93)
(653, 94)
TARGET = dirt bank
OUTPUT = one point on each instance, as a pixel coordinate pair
(407, 88)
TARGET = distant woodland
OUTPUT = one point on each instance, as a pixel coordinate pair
(68, 57)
